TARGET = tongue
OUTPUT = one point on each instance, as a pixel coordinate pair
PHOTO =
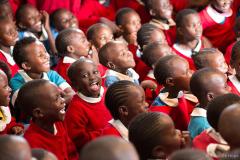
(94, 87)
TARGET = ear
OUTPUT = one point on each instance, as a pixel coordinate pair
(111, 65)
(152, 13)
(37, 113)
(210, 96)
(123, 111)
(121, 29)
(25, 66)
(170, 81)
(70, 49)
(158, 152)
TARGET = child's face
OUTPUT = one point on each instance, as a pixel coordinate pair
(161, 51)
(5, 90)
(89, 80)
(65, 20)
(131, 23)
(161, 9)
(8, 34)
(6, 11)
(192, 27)
(31, 20)
(102, 36)
(158, 36)
(222, 6)
(217, 61)
(37, 58)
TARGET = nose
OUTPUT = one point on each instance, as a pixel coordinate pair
(9, 89)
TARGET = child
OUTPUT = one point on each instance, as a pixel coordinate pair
(71, 45)
(99, 34)
(47, 110)
(86, 115)
(7, 122)
(42, 154)
(8, 38)
(14, 148)
(173, 73)
(161, 13)
(205, 84)
(129, 23)
(62, 19)
(33, 59)
(119, 60)
(189, 35)
(189, 154)
(109, 148)
(227, 125)
(210, 140)
(6, 10)
(125, 100)
(218, 21)
(158, 138)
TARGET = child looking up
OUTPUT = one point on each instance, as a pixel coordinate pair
(189, 35)
(8, 38)
(158, 138)
(86, 115)
(33, 59)
(47, 110)
(205, 84)
(125, 100)
(173, 73)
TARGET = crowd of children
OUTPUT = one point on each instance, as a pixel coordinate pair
(119, 79)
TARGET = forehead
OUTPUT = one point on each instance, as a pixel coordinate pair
(101, 29)
(63, 13)
(34, 47)
(2, 76)
(51, 89)
(85, 66)
(190, 17)
(5, 23)
(130, 15)
(179, 63)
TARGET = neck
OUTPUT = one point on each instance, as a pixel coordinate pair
(34, 75)
(188, 44)
(163, 20)
(74, 56)
(47, 126)
(123, 71)
(203, 104)
(5, 48)
(173, 93)
(124, 121)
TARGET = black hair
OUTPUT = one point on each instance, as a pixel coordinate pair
(2, 2)
(121, 13)
(182, 14)
(163, 68)
(144, 34)
(19, 14)
(217, 105)
(40, 154)
(189, 154)
(4, 67)
(105, 51)
(235, 52)
(148, 4)
(19, 54)
(95, 28)
(117, 95)
(54, 14)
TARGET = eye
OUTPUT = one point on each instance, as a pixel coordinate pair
(85, 75)
(96, 72)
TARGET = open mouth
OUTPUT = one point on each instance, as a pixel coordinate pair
(95, 86)
(62, 111)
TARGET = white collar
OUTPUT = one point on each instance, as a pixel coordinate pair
(139, 53)
(68, 59)
(133, 75)
(26, 77)
(215, 135)
(199, 112)
(8, 57)
(150, 74)
(43, 37)
(188, 52)
(216, 16)
(120, 128)
(5, 112)
(91, 99)
(235, 82)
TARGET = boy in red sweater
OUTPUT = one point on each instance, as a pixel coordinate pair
(47, 110)
(87, 113)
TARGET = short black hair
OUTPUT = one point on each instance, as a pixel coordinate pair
(189, 154)
(121, 13)
(217, 105)
(182, 14)
(117, 95)
(19, 54)
(94, 28)
(54, 14)
(235, 52)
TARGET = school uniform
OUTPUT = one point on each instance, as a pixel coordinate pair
(211, 142)
(8, 59)
(228, 53)
(116, 128)
(218, 27)
(198, 122)
(86, 117)
(58, 143)
(234, 83)
(178, 109)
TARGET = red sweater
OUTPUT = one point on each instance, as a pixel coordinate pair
(110, 130)
(59, 144)
(14, 68)
(233, 87)
(228, 53)
(85, 120)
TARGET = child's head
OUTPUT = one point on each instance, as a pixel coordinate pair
(210, 57)
(6, 10)
(63, 19)
(189, 26)
(116, 56)
(228, 125)
(189, 154)
(125, 100)
(31, 55)
(150, 33)
(222, 6)
(5, 90)
(217, 105)
(99, 34)
(14, 148)
(85, 77)
(109, 148)
(173, 71)
(160, 9)
(155, 50)
(72, 42)
(29, 18)
(208, 83)
(154, 135)
(235, 58)
(8, 33)
(41, 154)
(42, 100)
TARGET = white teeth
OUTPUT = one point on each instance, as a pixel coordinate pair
(94, 83)
(62, 111)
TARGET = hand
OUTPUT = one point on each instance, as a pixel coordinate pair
(93, 55)
(45, 20)
(17, 130)
(186, 139)
(148, 84)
